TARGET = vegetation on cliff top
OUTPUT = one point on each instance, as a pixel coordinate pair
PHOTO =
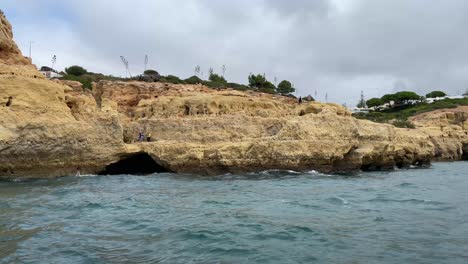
(399, 115)
(80, 74)
(256, 82)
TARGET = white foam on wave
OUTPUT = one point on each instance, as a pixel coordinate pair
(86, 175)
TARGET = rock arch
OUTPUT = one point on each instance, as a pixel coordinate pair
(135, 164)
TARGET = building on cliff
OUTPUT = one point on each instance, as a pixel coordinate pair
(50, 73)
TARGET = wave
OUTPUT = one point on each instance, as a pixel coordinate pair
(412, 201)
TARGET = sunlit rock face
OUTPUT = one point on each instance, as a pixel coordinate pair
(53, 128)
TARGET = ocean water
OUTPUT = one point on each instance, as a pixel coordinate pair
(406, 216)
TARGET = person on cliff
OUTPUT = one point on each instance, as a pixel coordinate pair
(141, 136)
(10, 100)
(300, 100)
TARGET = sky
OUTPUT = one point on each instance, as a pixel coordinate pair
(324, 47)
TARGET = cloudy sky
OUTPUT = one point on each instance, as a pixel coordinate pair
(334, 47)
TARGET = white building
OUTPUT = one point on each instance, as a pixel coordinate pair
(50, 73)
(432, 100)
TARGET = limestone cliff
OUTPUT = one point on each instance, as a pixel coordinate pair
(447, 130)
(9, 52)
(51, 128)
(45, 129)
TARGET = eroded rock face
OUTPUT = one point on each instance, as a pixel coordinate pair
(56, 128)
(447, 130)
(199, 130)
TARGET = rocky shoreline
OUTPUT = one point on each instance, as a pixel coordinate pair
(55, 128)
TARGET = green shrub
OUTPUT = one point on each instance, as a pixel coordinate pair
(172, 79)
(86, 81)
(217, 78)
(193, 80)
(237, 86)
(75, 70)
(213, 85)
(403, 124)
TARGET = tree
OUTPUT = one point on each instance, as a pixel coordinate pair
(285, 87)
(436, 94)
(405, 96)
(260, 83)
(388, 98)
(75, 70)
(401, 97)
(256, 81)
(374, 102)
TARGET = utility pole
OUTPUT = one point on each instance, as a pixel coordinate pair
(362, 102)
(146, 62)
(30, 50)
(326, 98)
(224, 70)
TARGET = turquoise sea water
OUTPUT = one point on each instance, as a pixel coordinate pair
(407, 216)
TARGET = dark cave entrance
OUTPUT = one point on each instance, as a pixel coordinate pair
(138, 164)
(465, 152)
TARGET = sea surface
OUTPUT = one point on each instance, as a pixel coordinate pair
(406, 216)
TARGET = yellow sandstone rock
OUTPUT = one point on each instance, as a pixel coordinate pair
(55, 128)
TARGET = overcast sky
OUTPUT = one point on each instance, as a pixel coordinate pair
(339, 47)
